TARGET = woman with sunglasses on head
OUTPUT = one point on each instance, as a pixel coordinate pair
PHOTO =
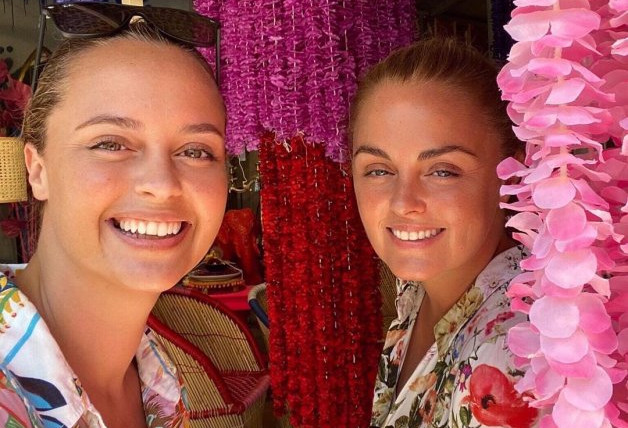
(428, 129)
(124, 144)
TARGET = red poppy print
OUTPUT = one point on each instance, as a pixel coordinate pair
(495, 402)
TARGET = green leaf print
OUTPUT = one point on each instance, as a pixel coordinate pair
(402, 422)
(13, 423)
(465, 416)
(415, 416)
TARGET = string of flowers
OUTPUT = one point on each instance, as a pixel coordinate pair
(323, 309)
(290, 66)
(567, 105)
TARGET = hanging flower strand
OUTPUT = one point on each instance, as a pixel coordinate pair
(570, 207)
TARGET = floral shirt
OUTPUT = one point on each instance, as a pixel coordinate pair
(466, 379)
(39, 389)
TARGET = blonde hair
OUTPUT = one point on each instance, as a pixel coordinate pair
(461, 67)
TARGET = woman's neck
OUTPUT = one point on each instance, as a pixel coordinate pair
(97, 324)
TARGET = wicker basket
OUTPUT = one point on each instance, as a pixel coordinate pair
(12, 170)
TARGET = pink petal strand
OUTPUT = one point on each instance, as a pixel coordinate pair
(566, 222)
(553, 192)
(574, 23)
(568, 351)
(590, 393)
(523, 341)
(568, 416)
(565, 91)
(564, 320)
(528, 27)
(604, 342)
(584, 240)
(592, 314)
(583, 368)
(571, 269)
(549, 382)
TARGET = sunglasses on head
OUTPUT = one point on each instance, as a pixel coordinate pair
(91, 19)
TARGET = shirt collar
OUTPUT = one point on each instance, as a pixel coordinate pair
(498, 273)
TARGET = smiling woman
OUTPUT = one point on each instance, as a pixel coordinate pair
(125, 152)
(428, 129)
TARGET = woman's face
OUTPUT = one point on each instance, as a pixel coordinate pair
(424, 165)
(133, 171)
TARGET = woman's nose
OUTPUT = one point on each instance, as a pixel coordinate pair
(158, 177)
(408, 197)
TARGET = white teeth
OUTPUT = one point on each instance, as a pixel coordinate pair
(153, 228)
(415, 236)
(162, 229)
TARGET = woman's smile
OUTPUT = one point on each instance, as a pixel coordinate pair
(414, 235)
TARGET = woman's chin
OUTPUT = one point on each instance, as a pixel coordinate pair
(409, 271)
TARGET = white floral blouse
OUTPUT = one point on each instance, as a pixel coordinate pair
(466, 379)
(39, 389)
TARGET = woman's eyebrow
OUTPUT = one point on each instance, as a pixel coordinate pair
(202, 128)
(432, 153)
(371, 151)
(123, 122)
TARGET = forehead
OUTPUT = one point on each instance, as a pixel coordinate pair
(129, 56)
(422, 114)
(138, 78)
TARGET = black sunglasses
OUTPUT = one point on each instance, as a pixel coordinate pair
(91, 19)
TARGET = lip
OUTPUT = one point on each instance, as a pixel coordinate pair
(152, 243)
(165, 216)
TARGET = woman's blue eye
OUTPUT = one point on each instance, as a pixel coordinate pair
(111, 146)
(197, 154)
(377, 173)
(443, 173)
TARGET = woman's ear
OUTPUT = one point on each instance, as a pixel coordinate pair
(37, 176)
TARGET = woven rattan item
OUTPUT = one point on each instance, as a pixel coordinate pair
(225, 373)
(259, 306)
(12, 170)
(388, 289)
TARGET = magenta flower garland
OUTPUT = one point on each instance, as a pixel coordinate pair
(566, 81)
(291, 67)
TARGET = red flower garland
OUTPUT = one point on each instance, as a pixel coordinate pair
(323, 297)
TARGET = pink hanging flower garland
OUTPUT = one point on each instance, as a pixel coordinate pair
(290, 67)
(570, 347)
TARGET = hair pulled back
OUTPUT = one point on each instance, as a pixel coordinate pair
(460, 67)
